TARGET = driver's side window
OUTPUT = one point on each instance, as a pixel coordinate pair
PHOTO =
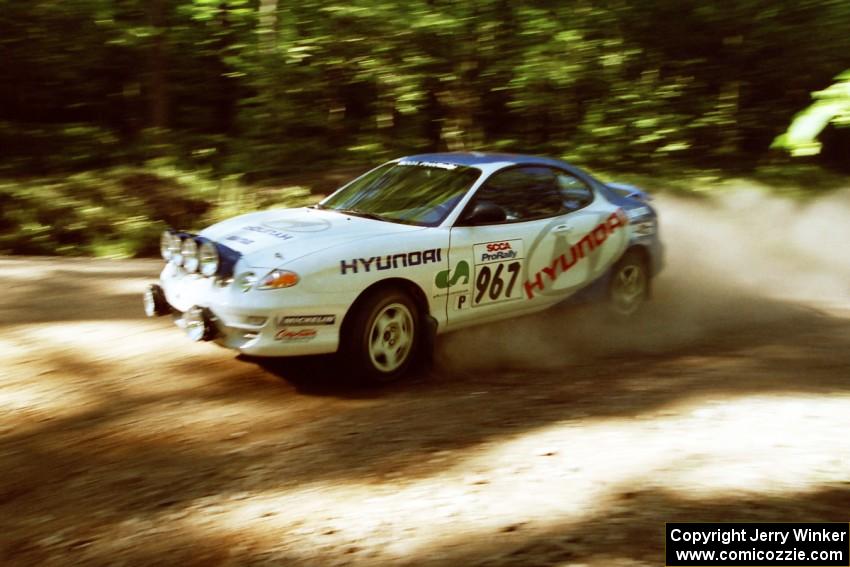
(525, 193)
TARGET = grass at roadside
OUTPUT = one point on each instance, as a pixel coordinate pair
(121, 212)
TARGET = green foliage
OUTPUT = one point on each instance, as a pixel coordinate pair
(832, 105)
(106, 104)
(121, 212)
(263, 88)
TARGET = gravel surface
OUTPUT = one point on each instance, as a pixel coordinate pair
(552, 440)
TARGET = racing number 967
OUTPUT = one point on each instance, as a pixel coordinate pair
(493, 284)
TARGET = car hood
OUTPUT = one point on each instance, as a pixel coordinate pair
(268, 239)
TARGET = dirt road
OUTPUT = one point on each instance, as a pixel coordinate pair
(555, 440)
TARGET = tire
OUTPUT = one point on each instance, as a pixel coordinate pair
(383, 336)
(628, 286)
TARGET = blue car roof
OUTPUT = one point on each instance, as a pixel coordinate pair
(484, 158)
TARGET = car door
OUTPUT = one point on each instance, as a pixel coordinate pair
(559, 236)
(488, 262)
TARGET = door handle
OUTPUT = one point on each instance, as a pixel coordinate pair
(563, 228)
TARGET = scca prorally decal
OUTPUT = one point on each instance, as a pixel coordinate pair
(497, 268)
(637, 213)
(436, 164)
(498, 251)
(311, 225)
(576, 253)
(239, 239)
(269, 231)
(645, 228)
(295, 335)
(295, 320)
(391, 261)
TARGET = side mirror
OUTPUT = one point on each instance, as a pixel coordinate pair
(485, 212)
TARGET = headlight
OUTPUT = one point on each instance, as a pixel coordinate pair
(166, 244)
(278, 279)
(176, 250)
(189, 252)
(208, 258)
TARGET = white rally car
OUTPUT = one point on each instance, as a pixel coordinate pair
(418, 246)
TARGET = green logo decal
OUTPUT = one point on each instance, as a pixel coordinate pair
(445, 279)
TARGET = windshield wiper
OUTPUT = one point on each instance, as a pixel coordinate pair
(360, 213)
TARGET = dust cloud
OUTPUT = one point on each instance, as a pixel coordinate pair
(742, 257)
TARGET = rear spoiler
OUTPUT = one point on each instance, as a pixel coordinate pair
(629, 191)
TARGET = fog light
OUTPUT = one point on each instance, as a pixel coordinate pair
(198, 324)
(166, 245)
(189, 253)
(154, 301)
(208, 258)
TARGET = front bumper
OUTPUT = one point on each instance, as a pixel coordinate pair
(283, 322)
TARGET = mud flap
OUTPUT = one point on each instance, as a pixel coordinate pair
(425, 356)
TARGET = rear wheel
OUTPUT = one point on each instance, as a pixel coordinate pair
(383, 336)
(628, 289)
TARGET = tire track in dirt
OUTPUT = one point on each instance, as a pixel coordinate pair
(548, 440)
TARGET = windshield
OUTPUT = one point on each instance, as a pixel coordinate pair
(408, 192)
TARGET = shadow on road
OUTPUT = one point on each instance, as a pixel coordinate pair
(169, 430)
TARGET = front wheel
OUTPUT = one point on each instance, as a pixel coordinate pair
(383, 336)
(629, 285)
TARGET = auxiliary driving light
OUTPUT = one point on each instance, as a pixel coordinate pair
(154, 301)
(209, 258)
(197, 322)
(168, 244)
(189, 253)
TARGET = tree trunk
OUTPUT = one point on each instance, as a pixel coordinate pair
(158, 79)
(267, 26)
(227, 93)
